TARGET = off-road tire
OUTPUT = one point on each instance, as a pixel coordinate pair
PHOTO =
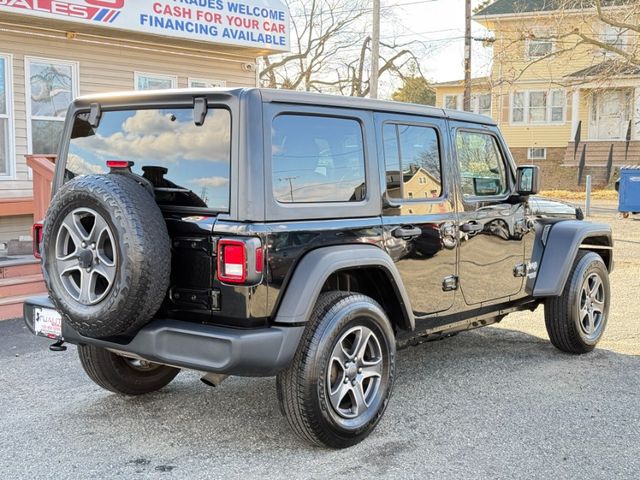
(561, 313)
(302, 387)
(119, 374)
(143, 259)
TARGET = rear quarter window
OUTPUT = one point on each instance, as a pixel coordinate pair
(317, 159)
(188, 165)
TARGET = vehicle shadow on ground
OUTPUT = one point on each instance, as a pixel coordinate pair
(436, 382)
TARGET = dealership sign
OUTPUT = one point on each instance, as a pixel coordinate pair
(251, 23)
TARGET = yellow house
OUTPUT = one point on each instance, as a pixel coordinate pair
(548, 86)
(415, 183)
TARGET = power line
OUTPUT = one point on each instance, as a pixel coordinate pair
(366, 10)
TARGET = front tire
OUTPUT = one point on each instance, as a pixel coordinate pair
(337, 387)
(123, 375)
(576, 319)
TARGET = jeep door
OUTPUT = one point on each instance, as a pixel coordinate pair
(418, 213)
(492, 222)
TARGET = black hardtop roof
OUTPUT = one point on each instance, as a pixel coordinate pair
(138, 98)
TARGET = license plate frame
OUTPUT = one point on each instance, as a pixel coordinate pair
(47, 322)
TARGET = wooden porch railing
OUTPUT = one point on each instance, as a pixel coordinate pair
(43, 167)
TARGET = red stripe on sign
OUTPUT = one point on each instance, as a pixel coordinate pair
(92, 12)
(108, 16)
(41, 4)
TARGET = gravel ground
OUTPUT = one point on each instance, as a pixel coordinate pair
(498, 402)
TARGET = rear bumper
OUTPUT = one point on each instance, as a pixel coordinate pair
(253, 352)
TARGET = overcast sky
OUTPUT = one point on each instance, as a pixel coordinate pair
(441, 22)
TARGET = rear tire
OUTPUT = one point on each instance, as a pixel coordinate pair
(337, 387)
(576, 319)
(123, 375)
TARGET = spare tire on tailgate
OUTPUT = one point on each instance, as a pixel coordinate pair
(106, 254)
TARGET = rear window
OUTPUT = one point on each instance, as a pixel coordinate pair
(187, 164)
(317, 159)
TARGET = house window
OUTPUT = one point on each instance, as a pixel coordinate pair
(481, 104)
(51, 85)
(317, 159)
(203, 83)
(538, 107)
(412, 161)
(539, 47)
(518, 108)
(154, 81)
(615, 37)
(6, 121)
(537, 153)
(557, 106)
(453, 102)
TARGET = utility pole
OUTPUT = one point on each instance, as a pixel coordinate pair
(290, 180)
(375, 51)
(466, 103)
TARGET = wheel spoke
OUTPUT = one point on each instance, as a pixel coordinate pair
(365, 338)
(590, 322)
(359, 404)
(339, 354)
(584, 311)
(71, 228)
(598, 306)
(85, 286)
(337, 396)
(595, 286)
(100, 228)
(108, 272)
(67, 264)
(372, 369)
(356, 346)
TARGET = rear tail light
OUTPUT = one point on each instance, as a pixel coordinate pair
(37, 239)
(232, 261)
(119, 164)
(259, 259)
(240, 260)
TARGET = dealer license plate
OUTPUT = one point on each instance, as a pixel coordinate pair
(47, 323)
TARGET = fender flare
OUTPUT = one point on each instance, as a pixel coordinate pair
(314, 269)
(560, 245)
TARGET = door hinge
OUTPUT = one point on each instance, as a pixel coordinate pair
(450, 283)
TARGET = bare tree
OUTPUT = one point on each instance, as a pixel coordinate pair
(605, 33)
(331, 50)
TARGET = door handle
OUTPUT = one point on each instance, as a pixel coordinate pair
(407, 232)
(472, 227)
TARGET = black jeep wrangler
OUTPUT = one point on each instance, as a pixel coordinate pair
(258, 233)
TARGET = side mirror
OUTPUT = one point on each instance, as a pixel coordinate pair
(528, 180)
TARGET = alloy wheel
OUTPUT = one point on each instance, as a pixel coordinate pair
(592, 305)
(355, 372)
(85, 256)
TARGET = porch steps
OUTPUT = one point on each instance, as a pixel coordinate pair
(18, 281)
(598, 153)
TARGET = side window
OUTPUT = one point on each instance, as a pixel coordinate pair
(481, 165)
(317, 159)
(412, 161)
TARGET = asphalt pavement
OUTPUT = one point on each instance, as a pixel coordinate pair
(498, 402)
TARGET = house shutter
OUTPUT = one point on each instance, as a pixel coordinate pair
(504, 118)
(569, 106)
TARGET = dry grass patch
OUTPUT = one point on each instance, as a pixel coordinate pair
(569, 195)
